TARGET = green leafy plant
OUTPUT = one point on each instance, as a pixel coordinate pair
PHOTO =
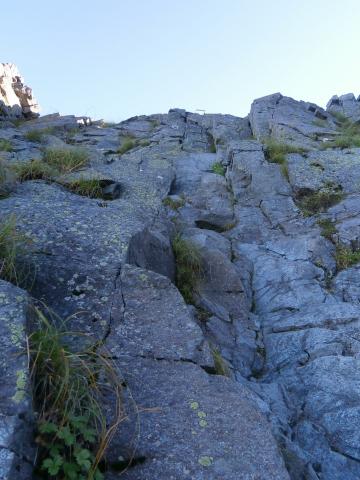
(69, 388)
(65, 160)
(34, 170)
(188, 267)
(346, 257)
(328, 228)
(5, 145)
(12, 246)
(87, 187)
(317, 202)
(218, 168)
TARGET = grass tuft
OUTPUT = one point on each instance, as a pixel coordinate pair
(349, 135)
(128, 143)
(37, 136)
(346, 257)
(173, 204)
(7, 180)
(12, 245)
(86, 187)
(317, 202)
(5, 145)
(276, 151)
(221, 367)
(218, 168)
(65, 160)
(69, 388)
(188, 267)
(34, 170)
(328, 228)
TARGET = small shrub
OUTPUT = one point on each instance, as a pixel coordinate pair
(69, 389)
(174, 204)
(349, 135)
(5, 145)
(188, 267)
(11, 247)
(87, 187)
(65, 160)
(127, 144)
(34, 170)
(346, 257)
(218, 168)
(317, 202)
(328, 228)
(340, 117)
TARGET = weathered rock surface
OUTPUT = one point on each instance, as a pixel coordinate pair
(271, 309)
(16, 99)
(16, 438)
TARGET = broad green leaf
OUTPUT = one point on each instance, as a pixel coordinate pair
(48, 427)
(52, 465)
(83, 458)
(66, 435)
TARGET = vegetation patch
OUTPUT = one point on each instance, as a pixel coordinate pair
(317, 202)
(276, 151)
(5, 145)
(220, 366)
(328, 228)
(349, 134)
(218, 168)
(7, 180)
(34, 170)
(346, 257)
(174, 204)
(12, 245)
(70, 388)
(318, 122)
(37, 135)
(91, 188)
(128, 143)
(65, 160)
(188, 267)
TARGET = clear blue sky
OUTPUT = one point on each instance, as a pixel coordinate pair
(113, 59)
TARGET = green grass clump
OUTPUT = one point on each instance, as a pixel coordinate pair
(7, 180)
(346, 257)
(69, 389)
(37, 135)
(276, 151)
(318, 122)
(218, 168)
(173, 204)
(86, 187)
(5, 145)
(328, 228)
(220, 366)
(12, 245)
(317, 202)
(349, 134)
(34, 170)
(188, 267)
(127, 144)
(65, 160)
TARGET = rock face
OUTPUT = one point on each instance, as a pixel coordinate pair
(259, 377)
(16, 99)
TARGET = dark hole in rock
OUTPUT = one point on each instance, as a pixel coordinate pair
(110, 190)
(203, 224)
(77, 292)
(126, 463)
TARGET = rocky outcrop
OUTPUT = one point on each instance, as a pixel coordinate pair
(16, 99)
(258, 378)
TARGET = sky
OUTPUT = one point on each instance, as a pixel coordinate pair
(114, 59)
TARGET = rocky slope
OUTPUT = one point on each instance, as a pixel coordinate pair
(276, 303)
